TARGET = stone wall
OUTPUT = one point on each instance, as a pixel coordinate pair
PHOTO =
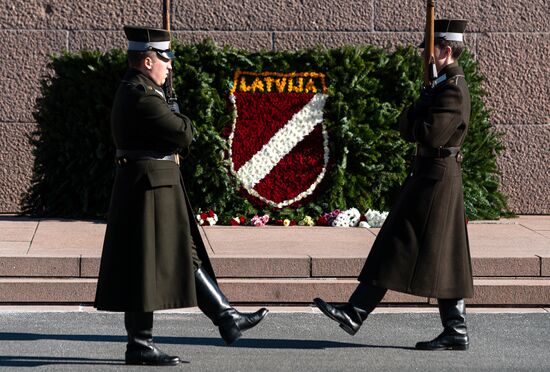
(511, 40)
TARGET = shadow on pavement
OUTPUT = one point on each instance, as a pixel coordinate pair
(35, 361)
(255, 343)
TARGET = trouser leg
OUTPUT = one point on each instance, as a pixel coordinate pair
(139, 326)
(197, 263)
(352, 314)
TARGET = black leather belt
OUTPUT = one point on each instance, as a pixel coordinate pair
(123, 156)
(438, 152)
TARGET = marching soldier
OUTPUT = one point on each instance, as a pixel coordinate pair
(153, 256)
(422, 248)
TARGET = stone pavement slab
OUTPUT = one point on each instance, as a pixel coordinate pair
(518, 238)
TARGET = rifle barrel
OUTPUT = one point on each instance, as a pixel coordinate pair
(429, 58)
(166, 15)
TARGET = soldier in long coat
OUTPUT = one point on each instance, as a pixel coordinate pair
(422, 248)
(153, 256)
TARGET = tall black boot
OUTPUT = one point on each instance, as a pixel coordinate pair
(352, 314)
(140, 349)
(455, 334)
(215, 305)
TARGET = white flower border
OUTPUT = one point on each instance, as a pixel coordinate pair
(300, 136)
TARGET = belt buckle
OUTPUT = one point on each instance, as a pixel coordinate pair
(459, 157)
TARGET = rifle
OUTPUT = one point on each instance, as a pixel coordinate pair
(430, 70)
(168, 87)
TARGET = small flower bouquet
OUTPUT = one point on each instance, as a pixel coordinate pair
(259, 221)
(207, 218)
(347, 218)
(327, 218)
(373, 218)
(307, 221)
(236, 221)
(286, 222)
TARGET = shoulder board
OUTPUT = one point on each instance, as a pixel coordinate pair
(454, 79)
(145, 88)
(139, 87)
(150, 90)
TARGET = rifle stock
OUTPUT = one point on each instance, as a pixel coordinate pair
(430, 71)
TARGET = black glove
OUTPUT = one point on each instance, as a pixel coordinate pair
(174, 107)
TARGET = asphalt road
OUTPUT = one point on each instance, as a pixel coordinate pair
(283, 342)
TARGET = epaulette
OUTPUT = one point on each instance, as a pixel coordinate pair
(145, 88)
(150, 90)
(142, 88)
(454, 79)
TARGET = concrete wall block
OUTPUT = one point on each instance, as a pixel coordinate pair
(545, 265)
(525, 176)
(337, 267)
(516, 80)
(47, 290)
(29, 266)
(85, 15)
(299, 40)
(506, 266)
(261, 267)
(97, 40)
(483, 16)
(89, 266)
(299, 291)
(26, 56)
(511, 292)
(17, 164)
(253, 41)
(320, 15)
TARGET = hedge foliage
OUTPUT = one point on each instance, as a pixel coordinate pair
(368, 88)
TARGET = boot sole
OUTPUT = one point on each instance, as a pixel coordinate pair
(320, 305)
(450, 347)
(230, 332)
(143, 363)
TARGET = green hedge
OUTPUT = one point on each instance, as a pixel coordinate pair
(368, 88)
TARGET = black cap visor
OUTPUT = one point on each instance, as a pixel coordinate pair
(166, 54)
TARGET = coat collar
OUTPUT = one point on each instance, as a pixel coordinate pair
(135, 74)
(448, 72)
(136, 77)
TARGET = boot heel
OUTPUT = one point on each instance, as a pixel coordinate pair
(348, 329)
(229, 331)
(460, 347)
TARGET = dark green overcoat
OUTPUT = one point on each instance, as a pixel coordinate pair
(422, 248)
(147, 260)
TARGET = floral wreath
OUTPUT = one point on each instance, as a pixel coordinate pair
(267, 158)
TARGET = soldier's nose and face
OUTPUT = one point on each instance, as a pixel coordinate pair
(159, 70)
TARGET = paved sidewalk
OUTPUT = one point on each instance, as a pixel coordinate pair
(55, 260)
(525, 236)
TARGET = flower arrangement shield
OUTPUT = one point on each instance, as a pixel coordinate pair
(278, 146)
